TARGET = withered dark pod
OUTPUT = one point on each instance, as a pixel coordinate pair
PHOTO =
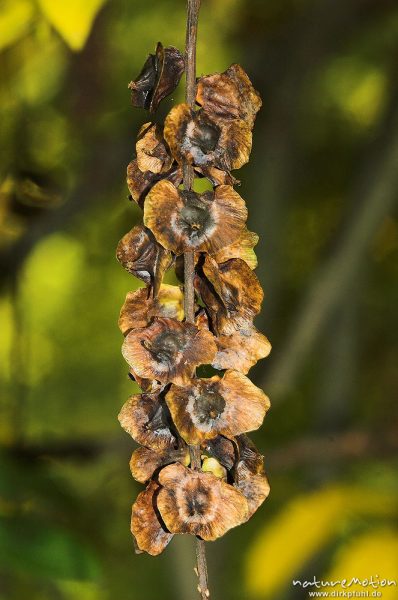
(181, 415)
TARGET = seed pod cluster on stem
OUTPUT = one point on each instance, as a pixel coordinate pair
(187, 410)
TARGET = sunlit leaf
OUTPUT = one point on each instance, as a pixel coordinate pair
(15, 20)
(303, 528)
(72, 19)
(373, 554)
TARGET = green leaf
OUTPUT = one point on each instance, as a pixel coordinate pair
(29, 544)
(73, 19)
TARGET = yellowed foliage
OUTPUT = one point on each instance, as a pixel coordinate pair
(73, 19)
(15, 19)
(307, 523)
(373, 554)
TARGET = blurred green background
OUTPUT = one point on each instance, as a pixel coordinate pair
(321, 188)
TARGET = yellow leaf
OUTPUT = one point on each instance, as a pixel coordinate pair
(371, 555)
(15, 19)
(302, 529)
(73, 19)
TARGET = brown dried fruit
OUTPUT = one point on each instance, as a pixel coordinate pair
(242, 248)
(159, 77)
(199, 503)
(145, 462)
(145, 419)
(241, 350)
(229, 95)
(142, 256)
(249, 474)
(204, 140)
(232, 294)
(168, 351)
(138, 309)
(183, 221)
(147, 526)
(140, 182)
(217, 406)
(223, 449)
(149, 386)
(152, 153)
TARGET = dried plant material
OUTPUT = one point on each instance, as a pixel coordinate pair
(159, 77)
(139, 308)
(204, 140)
(168, 351)
(217, 176)
(142, 256)
(147, 527)
(145, 419)
(229, 95)
(221, 448)
(217, 406)
(242, 248)
(145, 462)
(140, 182)
(232, 294)
(152, 153)
(149, 386)
(241, 350)
(187, 221)
(198, 503)
(249, 474)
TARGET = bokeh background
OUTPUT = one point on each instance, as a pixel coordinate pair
(322, 190)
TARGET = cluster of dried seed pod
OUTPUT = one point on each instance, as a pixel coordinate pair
(178, 408)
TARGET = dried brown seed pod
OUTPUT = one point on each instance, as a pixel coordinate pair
(229, 95)
(184, 221)
(145, 462)
(242, 248)
(140, 182)
(232, 294)
(204, 140)
(145, 419)
(152, 152)
(139, 308)
(147, 526)
(198, 503)
(223, 449)
(241, 350)
(168, 351)
(249, 474)
(142, 256)
(148, 386)
(217, 406)
(159, 77)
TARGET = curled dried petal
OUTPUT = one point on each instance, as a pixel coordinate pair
(142, 256)
(223, 449)
(147, 526)
(242, 248)
(138, 309)
(183, 221)
(140, 182)
(145, 462)
(168, 351)
(241, 350)
(145, 419)
(211, 407)
(152, 153)
(199, 503)
(159, 77)
(203, 140)
(232, 294)
(249, 474)
(229, 95)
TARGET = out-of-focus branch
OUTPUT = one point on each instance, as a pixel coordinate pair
(374, 195)
(349, 445)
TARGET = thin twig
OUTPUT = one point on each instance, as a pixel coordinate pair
(193, 7)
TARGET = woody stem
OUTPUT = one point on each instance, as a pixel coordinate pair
(193, 7)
